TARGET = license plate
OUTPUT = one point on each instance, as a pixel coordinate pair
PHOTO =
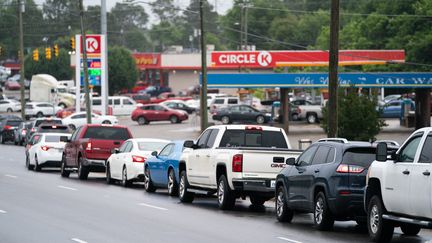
(272, 183)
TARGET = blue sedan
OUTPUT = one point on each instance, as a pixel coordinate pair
(162, 170)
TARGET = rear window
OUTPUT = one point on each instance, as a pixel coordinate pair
(28, 106)
(53, 129)
(13, 123)
(253, 138)
(359, 156)
(151, 146)
(54, 138)
(219, 101)
(38, 122)
(107, 133)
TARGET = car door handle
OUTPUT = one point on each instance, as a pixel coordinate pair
(426, 173)
(316, 171)
(406, 172)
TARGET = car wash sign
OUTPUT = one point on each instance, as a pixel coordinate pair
(272, 59)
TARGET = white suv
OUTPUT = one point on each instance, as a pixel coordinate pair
(223, 102)
(40, 109)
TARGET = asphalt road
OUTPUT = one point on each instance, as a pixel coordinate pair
(43, 207)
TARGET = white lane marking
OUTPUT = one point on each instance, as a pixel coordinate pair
(11, 176)
(151, 206)
(289, 240)
(67, 188)
(78, 240)
(2, 211)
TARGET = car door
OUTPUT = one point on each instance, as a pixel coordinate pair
(392, 109)
(398, 174)
(323, 155)
(69, 148)
(194, 170)
(159, 170)
(234, 113)
(162, 114)
(420, 185)
(78, 120)
(127, 105)
(207, 159)
(3, 105)
(118, 160)
(248, 113)
(117, 108)
(297, 178)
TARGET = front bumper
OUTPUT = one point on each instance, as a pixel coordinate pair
(262, 187)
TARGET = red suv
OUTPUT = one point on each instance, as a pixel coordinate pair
(146, 113)
(89, 148)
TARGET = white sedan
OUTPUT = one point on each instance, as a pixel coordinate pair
(127, 162)
(46, 150)
(78, 119)
(10, 106)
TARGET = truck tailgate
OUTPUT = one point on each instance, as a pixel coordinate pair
(101, 149)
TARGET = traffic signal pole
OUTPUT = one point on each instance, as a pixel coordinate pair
(21, 57)
(84, 50)
(333, 70)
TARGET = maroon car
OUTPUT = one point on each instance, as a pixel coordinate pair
(12, 85)
(146, 113)
(89, 148)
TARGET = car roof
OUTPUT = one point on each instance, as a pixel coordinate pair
(54, 134)
(105, 125)
(243, 127)
(148, 140)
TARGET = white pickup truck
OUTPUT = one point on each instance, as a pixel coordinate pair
(234, 161)
(399, 188)
(312, 113)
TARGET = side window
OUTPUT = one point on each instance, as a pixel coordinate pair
(232, 101)
(79, 116)
(306, 158)
(203, 139)
(97, 102)
(321, 155)
(212, 138)
(167, 150)
(426, 153)
(331, 155)
(116, 101)
(130, 147)
(127, 102)
(235, 109)
(408, 152)
(123, 147)
(76, 134)
(110, 101)
(219, 101)
(3, 102)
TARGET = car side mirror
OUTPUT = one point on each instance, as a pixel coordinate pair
(290, 161)
(381, 152)
(154, 153)
(189, 144)
(115, 151)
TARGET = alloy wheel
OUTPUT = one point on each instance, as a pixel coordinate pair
(280, 204)
(374, 219)
(221, 192)
(319, 210)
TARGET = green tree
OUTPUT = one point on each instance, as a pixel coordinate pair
(357, 117)
(59, 67)
(122, 70)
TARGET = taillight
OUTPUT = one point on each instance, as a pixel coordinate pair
(45, 148)
(23, 132)
(89, 146)
(7, 127)
(138, 159)
(33, 129)
(237, 163)
(253, 128)
(344, 168)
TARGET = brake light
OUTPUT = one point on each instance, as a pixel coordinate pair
(33, 129)
(344, 168)
(89, 146)
(7, 127)
(138, 159)
(237, 163)
(23, 132)
(253, 128)
(45, 148)
(298, 110)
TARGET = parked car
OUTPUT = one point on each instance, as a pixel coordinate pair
(80, 118)
(312, 113)
(179, 105)
(34, 125)
(53, 128)
(140, 85)
(234, 161)
(40, 109)
(21, 132)
(147, 113)
(89, 148)
(121, 105)
(393, 109)
(7, 129)
(154, 91)
(69, 111)
(328, 180)
(12, 85)
(223, 102)
(398, 188)
(241, 113)
(46, 151)
(10, 106)
(127, 162)
(34, 138)
(162, 169)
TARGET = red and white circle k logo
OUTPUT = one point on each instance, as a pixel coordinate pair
(264, 58)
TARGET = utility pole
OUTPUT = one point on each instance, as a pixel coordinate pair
(85, 65)
(333, 70)
(21, 56)
(105, 88)
(203, 93)
(246, 26)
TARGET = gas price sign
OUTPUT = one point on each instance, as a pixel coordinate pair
(94, 71)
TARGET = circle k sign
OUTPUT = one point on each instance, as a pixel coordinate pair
(93, 44)
(243, 59)
(264, 58)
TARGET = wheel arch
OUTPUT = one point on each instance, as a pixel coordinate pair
(373, 188)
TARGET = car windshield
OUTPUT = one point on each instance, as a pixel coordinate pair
(253, 138)
(107, 133)
(359, 156)
(38, 122)
(53, 129)
(151, 146)
(13, 123)
(55, 138)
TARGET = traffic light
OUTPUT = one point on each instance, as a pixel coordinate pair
(56, 50)
(35, 55)
(48, 53)
(72, 43)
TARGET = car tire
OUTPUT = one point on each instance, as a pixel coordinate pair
(380, 230)
(2, 141)
(226, 197)
(39, 114)
(9, 110)
(148, 184)
(410, 229)
(142, 120)
(311, 118)
(16, 142)
(29, 166)
(72, 127)
(63, 172)
(83, 171)
(172, 184)
(283, 212)
(294, 117)
(257, 201)
(323, 218)
(125, 182)
(225, 120)
(174, 119)
(184, 195)
(106, 122)
(36, 167)
(109, 179)
(260, 119)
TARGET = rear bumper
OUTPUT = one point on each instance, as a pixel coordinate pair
(95, 165)
(262, 187)
(8, 135)
(347, 205)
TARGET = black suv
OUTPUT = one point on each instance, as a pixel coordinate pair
(328, 180)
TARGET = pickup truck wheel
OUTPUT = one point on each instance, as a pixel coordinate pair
(63, 171)
(72, 127)
(257, 201)
(323, 219)
(174, 119)
(9, 110)
(29, 166)
(260, 119)
(172, 184)
(225, 120)
(36, 167)
(283, 213)
(380, 230)
(311, 118)
(106, 122)
(109, 179)
(226, 197)
(294, 117)
(410, 229)
(82, 170)
(142, 120)
(125, 181)
(148, 184)
(184, 195)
